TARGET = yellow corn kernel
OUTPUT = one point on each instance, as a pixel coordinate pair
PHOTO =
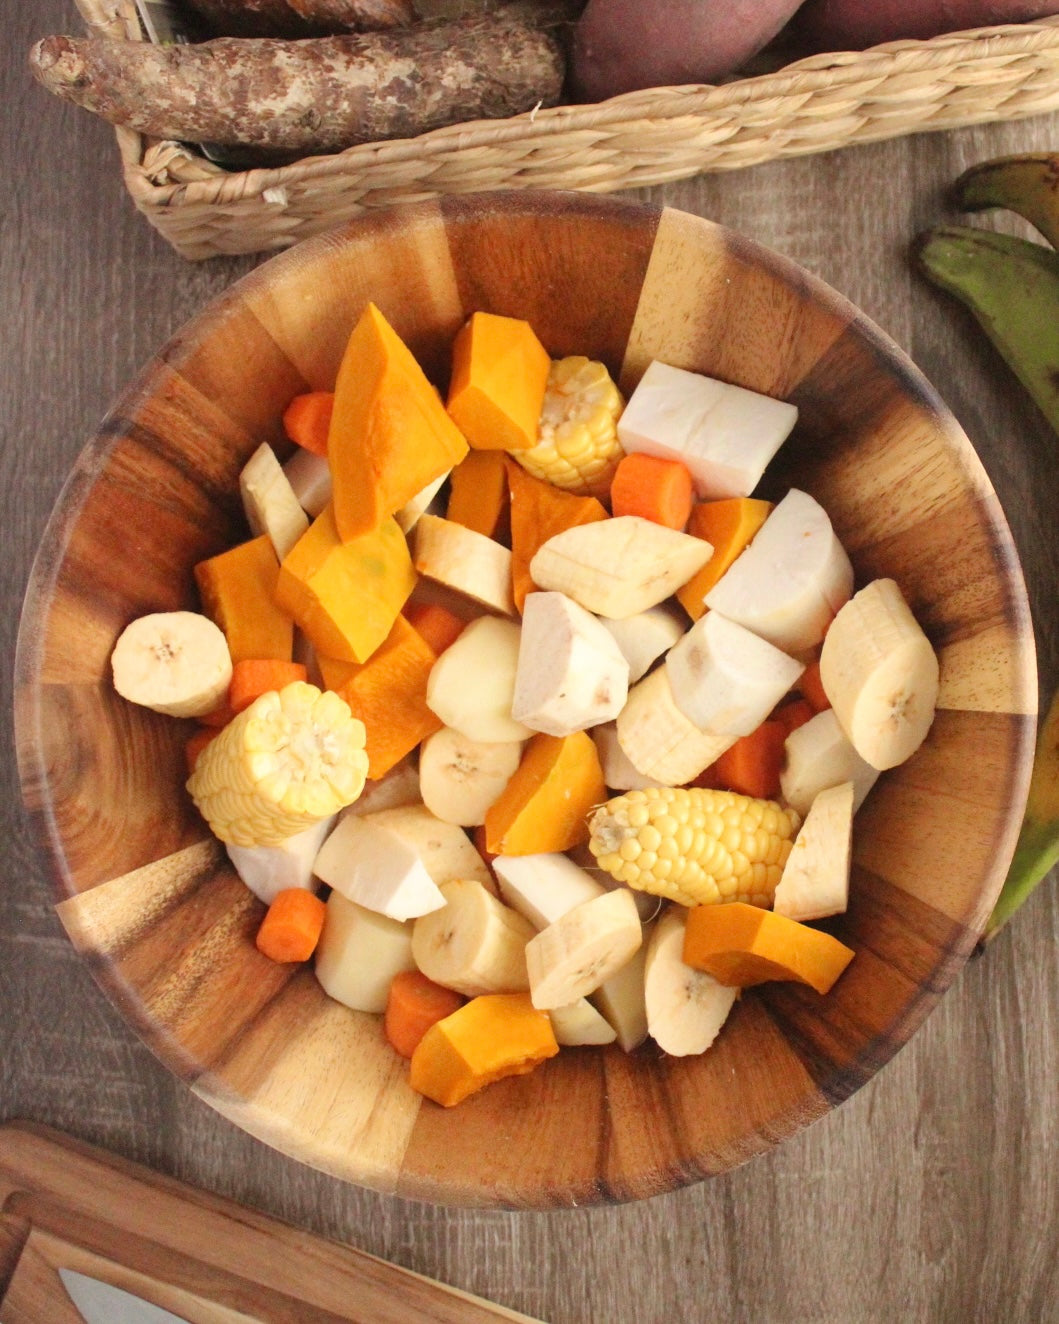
(577, 447)
(294, 757)
(694, 846)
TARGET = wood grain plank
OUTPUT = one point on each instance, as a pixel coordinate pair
(531, 263)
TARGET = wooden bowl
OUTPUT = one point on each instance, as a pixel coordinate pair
(145, 892)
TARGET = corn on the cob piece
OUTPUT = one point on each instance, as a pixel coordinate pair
(694, 846)
(294, 757)
(577, 448)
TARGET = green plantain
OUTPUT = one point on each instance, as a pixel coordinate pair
(1027, 185)
(1038, 846)
(1011, 286)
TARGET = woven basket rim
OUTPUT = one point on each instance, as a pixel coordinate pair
(653, 106)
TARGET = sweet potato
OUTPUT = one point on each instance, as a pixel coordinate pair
(318, 95)
(834, 25)
(622, 45)
(299, 18)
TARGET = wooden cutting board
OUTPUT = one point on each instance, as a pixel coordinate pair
(66, 1204)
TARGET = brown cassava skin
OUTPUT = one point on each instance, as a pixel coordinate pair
(299, 18)
(834, 25)
(623, 45)
(319, 95)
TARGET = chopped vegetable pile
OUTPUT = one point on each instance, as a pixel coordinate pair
(570, 763)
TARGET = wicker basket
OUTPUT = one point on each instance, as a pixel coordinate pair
(814, 105)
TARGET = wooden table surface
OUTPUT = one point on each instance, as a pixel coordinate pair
(932, 1194)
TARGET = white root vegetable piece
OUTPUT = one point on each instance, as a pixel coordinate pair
(412, 511)
(880, 673)
(815, 881)
(724, 434)
(378, 869)
(270, 503)
(460, 778)
(173, 662)
(359, 953)
(580, 1024)
(571, 673)
(789, 583)
(727, 679)
(618, 567)
(464, 560)
(310, 478)
(818, 755)
(643, 638)
(582, 948)
(472, 684)
(474, 944)
(445, 849)
(658, 740)
(620, 999)
(268, 870)
(543, 887)
(685, 1007)
(619, 772)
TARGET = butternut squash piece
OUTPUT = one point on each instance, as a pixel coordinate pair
(499, 375)
(389, 695)
(538, 511)
(390, 435)
(478, 494)
(238, 594)
(345, 596)
(544, 806)
(490, 1037)
(728, 526)
(740, 945)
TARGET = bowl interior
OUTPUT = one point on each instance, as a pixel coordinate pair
(146, 893)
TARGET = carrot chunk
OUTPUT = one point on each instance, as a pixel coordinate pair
(812, 690)
(307, 419)
(413, 1005)
(433, 622)
(654, 488)
(752, 765)
(292, 926)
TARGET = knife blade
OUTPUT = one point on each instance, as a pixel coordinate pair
(103, 1303)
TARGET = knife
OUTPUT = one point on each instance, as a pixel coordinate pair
(103, 1303)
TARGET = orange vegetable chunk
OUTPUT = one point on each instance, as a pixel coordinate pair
(793, 713)
(389, 695)
(292, 925)
(740, 945)
(544, 805)
(345, 596)
(538, 511)
(499, 375)
(307, 420)
(238, 590)
(490, 1037)
(811, 688)
(413, 1005)
(728, 526)
(438, 626)
(752, 765)
(390, 435)
(195, 744)
(653, 487)
(478, 493)
(254, 676)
